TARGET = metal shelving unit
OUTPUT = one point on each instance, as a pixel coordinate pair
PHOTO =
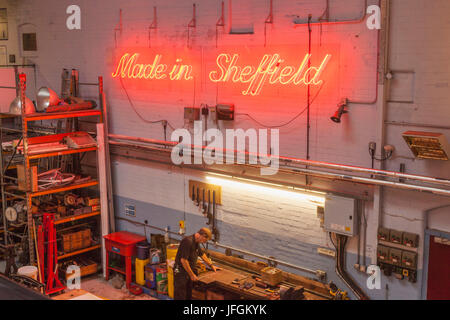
(26, 158)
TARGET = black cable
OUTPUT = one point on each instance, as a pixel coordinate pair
(142, 118)
(287, 123)
(372, 154)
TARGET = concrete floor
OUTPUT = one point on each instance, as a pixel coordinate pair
(101, 288)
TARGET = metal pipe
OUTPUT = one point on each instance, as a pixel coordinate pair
(267, 258)
(312, 163)
(408, 124)
(360, 20)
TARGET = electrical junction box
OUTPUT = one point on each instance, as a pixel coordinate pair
(340, 215)
(396, 236)
(383, 234)
(191, 114)
(409, 260)
(225, 112)
(383, 254)
(395, 257)
(410, 240)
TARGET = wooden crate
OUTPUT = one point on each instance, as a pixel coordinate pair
(76, 240)
(87, 267)
(271, 276)
(21, 178)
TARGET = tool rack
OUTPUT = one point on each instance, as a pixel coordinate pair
(32, 219)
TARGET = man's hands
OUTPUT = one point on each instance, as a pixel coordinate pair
(194, 278)
(214, 268)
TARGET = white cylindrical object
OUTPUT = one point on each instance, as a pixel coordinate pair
(29, 271)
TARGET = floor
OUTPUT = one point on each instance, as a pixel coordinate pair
(102, 288)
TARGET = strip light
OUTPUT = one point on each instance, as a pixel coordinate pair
(271, 189)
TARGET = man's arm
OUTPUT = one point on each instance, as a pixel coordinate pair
(188, 269)
(209, 262)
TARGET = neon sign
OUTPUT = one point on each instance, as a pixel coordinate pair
(129, 68)
(269, 71)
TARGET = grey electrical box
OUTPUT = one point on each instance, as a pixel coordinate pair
(409, 260)
(395, 257)
(191, 114)
(341, 215)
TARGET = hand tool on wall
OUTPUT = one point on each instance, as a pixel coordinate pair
(214, 230)
(203, 202)
(197, 202)
(208, 210)
(209, 215)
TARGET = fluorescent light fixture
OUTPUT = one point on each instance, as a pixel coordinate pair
(271, 189)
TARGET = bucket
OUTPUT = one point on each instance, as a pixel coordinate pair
(155, 256)
(150, 276)
(142, 250)
(161, 272)
(140, 274)
(170, 285)
(161, 278)
(29, 271)
(172, 251)
(161, 287)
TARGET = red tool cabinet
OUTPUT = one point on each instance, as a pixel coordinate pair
(122, 243)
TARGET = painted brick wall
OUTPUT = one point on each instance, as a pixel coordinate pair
(161, 191)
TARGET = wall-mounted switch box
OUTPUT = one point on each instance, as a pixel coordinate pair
(383, 234)
(395, 256)
(340, 215)
(191, 114)
(383, 254)
(410, 240)
(395, 236)
(225, 112)
(409, 260)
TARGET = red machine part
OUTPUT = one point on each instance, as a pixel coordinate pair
(53, 284)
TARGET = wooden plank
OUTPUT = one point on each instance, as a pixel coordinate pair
(77, 217)
(104, 208)
(79, 252)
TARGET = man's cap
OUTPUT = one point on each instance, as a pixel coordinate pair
(205, 232)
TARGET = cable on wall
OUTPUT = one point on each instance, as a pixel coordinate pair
(164, 122)
(284, 124)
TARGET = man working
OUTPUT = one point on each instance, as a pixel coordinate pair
(185, 269)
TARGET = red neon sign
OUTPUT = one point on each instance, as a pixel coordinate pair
(269, 69)
(129, 68)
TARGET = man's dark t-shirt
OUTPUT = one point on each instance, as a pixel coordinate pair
(189, 250)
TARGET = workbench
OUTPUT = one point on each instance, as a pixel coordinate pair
(222, 280)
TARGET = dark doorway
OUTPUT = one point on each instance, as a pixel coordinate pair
(438, 269)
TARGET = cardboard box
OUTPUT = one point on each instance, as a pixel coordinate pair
(271, 276)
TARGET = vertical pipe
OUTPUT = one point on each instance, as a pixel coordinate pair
(308, 103)
(2, 181)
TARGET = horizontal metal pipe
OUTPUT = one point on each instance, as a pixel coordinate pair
(2, 87)
(443, 192)
(290, 160)
(419, 125)
(267, 258)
